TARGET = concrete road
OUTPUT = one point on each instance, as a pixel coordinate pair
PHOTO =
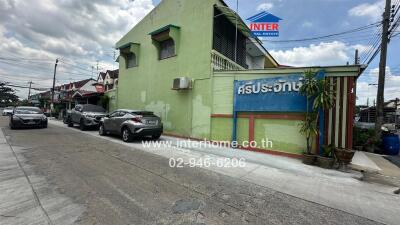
(79, 179)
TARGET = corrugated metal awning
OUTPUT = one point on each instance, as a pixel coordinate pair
(163, 33)
(234, 18)
(127, 45)
(162, 29)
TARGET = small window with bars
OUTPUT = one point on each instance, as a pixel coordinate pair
(167, 49)
(131, 60)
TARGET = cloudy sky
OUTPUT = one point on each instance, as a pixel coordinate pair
(83, 33)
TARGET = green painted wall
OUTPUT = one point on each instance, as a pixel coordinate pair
(188, 113)
(112, 103)
(284, 134)
(148, 86)
(221, 129)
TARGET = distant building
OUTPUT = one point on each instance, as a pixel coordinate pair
(109, 82)
(68, 95)
(108, 79)
(391, 112)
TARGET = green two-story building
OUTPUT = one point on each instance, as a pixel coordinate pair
(207, 47)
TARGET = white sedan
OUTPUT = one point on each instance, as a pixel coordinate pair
(8, 111)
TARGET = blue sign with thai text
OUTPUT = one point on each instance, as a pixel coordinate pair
(277, 94)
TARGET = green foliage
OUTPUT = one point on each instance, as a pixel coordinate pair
(24, 102)
(309, 126)
(310, 84)
(324, 96)
(57, 109)
(104, 100)
(7, 95)
(364, 137)
(328, 151)
(318, 93)
(43, 101)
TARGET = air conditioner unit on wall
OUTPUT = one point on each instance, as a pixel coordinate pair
(182, 83)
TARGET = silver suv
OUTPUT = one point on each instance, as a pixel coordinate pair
(86, 116)
(131, 123)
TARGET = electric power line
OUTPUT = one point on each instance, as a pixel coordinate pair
(369, 26)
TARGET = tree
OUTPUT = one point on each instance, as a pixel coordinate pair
(105, 101)
(319, 94)
(7, 95)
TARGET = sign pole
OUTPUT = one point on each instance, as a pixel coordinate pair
(234, 126)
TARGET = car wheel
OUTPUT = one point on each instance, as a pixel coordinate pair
(126, 135)
(82, 125)
(102, 131)
(156, 136)
(12, 127)
(44, 125)
(70, 123)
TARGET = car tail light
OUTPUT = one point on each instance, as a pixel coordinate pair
(137, 119)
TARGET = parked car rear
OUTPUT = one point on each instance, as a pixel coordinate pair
(26, 116)
(131, 123)
(86, 116)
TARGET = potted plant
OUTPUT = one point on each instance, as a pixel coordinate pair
(309, 128)
(326, 159)
(318, 97)
(344, 155)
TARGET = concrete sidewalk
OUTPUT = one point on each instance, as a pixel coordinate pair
(26, 198)
(389, 173)
(362, 162)
(343, 191)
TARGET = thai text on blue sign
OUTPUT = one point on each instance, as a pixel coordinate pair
(277, 94)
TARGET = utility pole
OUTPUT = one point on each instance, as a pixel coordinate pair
(97, 68)
(236, 31)
(396, 104)
(92, 70)
(29, 92)
(52, 90)
(356, 58)
(382, 69)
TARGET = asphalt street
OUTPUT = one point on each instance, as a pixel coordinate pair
(113, 184)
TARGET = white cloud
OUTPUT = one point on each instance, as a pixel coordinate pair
(371, 10)
(79, 32)
(367, 91)
(322, 54)
(338, 53)
(307, 24)
(265, 6)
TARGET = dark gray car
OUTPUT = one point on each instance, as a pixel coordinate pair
(25, 116)
(131, 123)
(86, 116)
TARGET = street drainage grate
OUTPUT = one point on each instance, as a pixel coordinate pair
(397, 191)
